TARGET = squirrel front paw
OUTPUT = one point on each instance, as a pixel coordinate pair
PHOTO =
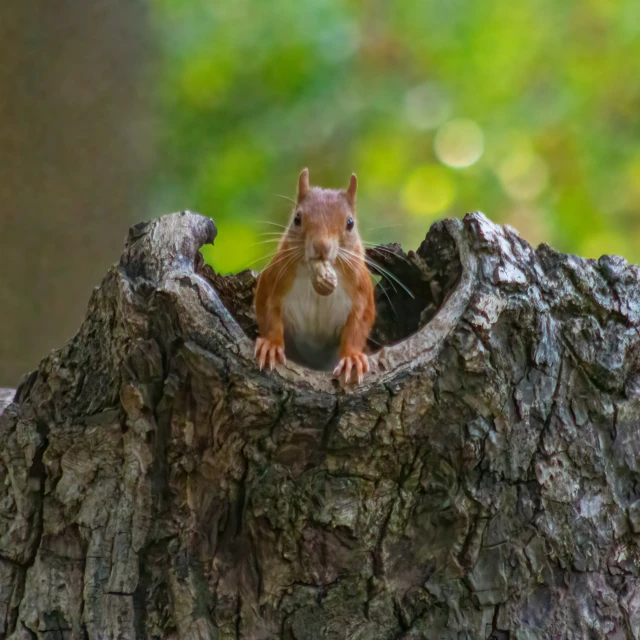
(269, 352)
(356, 362)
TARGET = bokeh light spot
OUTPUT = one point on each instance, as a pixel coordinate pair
(523, 174)
(382, 159)
(428, 191)
(532, 223)
(459, 143)
(427, 106)
(340, 41)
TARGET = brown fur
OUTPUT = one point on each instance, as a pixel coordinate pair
(321, 235)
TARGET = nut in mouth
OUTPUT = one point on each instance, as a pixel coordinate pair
(324, 278)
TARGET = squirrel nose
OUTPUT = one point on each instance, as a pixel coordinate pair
(321, 249)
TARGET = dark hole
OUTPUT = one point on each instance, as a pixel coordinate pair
(430, 273)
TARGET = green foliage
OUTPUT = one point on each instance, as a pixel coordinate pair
(525, 110)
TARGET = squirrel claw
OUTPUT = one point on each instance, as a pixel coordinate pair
(358, 362)
(269, 353)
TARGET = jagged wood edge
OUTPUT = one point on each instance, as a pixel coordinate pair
(389, 362)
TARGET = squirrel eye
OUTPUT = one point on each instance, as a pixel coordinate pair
(350, 224)
(297, 220)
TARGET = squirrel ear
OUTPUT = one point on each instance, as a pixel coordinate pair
(303, 184)
(351, 190)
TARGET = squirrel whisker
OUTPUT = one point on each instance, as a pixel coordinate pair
(382, 270)
(381, 274)
(278, 195)
(283, 269)
(382, 288)
(271, 240)
(350, 264)
(275, 224)
(275, 253)
(375, 247)
(388, 226)
(287, 253)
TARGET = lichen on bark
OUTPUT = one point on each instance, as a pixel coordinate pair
(482, 481)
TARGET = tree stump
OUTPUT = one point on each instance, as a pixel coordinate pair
(484, 481)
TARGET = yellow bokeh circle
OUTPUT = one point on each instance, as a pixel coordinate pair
(428, 191)
(459, 143)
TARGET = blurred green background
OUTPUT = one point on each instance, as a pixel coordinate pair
(110, 113)
(527, 111)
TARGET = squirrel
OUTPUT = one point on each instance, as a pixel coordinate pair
(319, 330)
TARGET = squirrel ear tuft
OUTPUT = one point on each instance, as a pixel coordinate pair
(351, 190)
(303, 184)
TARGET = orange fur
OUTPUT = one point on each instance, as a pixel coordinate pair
(322, 233)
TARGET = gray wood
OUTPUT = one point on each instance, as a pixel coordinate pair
(483, 481)
(6, 398)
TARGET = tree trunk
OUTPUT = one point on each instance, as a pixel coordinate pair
(483, 482)
(75, 148)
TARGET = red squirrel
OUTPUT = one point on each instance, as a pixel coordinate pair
(320, 331)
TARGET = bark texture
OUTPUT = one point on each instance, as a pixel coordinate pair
(483, 482)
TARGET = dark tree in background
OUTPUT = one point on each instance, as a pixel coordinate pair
(73, 151)
(482, 482)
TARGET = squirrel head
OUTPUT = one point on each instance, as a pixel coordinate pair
(324, 222)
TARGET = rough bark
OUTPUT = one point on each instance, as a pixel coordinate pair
(484, 481)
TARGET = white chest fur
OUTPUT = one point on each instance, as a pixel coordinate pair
(312, 321)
